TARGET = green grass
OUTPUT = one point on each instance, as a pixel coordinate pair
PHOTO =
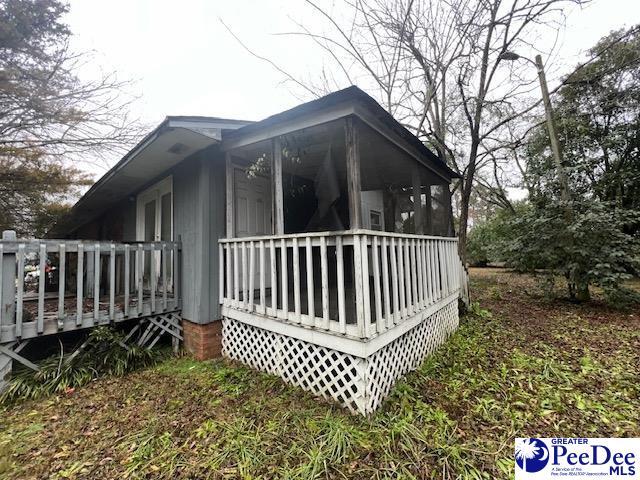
(519, 365)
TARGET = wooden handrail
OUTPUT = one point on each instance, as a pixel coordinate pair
(337, 233)
(111, 282)
(391, 278)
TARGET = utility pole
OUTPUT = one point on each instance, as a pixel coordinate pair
(551, 127)
(555, 144)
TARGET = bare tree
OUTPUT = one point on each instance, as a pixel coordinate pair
(436, 66)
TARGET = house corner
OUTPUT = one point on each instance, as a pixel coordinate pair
(203, 341)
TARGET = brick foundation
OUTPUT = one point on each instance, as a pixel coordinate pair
(202, 341)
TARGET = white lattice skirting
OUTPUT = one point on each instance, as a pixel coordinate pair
(360, 384)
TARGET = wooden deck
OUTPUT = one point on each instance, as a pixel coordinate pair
(52, 324)
(97, 283)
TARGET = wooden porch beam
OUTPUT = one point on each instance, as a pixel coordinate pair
(353, 172)
(278, 194)
(229, 195)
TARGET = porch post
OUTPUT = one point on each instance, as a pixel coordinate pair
(417, 200)
(353, 172)
(229, 195)
(8, 279)
(429, 219)
(278, 195)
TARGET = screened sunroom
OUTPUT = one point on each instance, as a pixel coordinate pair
(339, 271)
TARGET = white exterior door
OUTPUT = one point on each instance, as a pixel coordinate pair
(154, 223)
(252, 205)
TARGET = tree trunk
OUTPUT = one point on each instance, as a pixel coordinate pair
(465, 196)
(464, 220)
(582, 292)
(578, 290)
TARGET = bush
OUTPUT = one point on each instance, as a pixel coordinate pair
(486, 240)
(589, 243)
(104, 354)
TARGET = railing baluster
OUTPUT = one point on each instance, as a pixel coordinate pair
(153, 277)
(140, 278)
(441, 280)
(296, 280)
(441, 272)
(375, 258)
(274, 280)
(236, 276)
(434, 272)
(366, 294)
(407, 273)
(311, 307)
(425, 273)
(324, 271)
(454, 265)
(395, 284)
(385, 284)
(401, 277)
(20, 290)
(127, 279)
(285, 278)
(229, 293)
(447, 266)
(415, 306)
(96, 283)
(163, 258)
(263, 301)
(429, 271)
(62, 274)
(243, 247)
(358, 285)
(80, 285)
(112, 282)
(221, 251)
(252, 275)
(420, 272)
(342, 317)
(175, 273)
(42, 278)
(456, 262)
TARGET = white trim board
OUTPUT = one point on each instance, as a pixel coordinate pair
(154, 192)
(346, 344)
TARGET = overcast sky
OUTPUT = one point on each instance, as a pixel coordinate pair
(184, 61)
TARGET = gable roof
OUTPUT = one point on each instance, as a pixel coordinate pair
(171, 142)
(178, 137)
(349, 95)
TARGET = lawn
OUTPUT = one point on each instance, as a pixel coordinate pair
(519, 365)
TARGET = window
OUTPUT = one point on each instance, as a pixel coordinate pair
(375, 220)
(155, 212)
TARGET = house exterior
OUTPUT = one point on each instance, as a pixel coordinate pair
(316, 244)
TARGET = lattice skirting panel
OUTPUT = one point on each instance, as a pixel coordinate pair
(359, 384)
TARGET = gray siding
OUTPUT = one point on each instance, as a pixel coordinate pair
(198, 188)
(198, 221)
(217, 215)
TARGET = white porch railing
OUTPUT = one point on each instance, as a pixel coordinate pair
(50, 286)
(358, 283)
